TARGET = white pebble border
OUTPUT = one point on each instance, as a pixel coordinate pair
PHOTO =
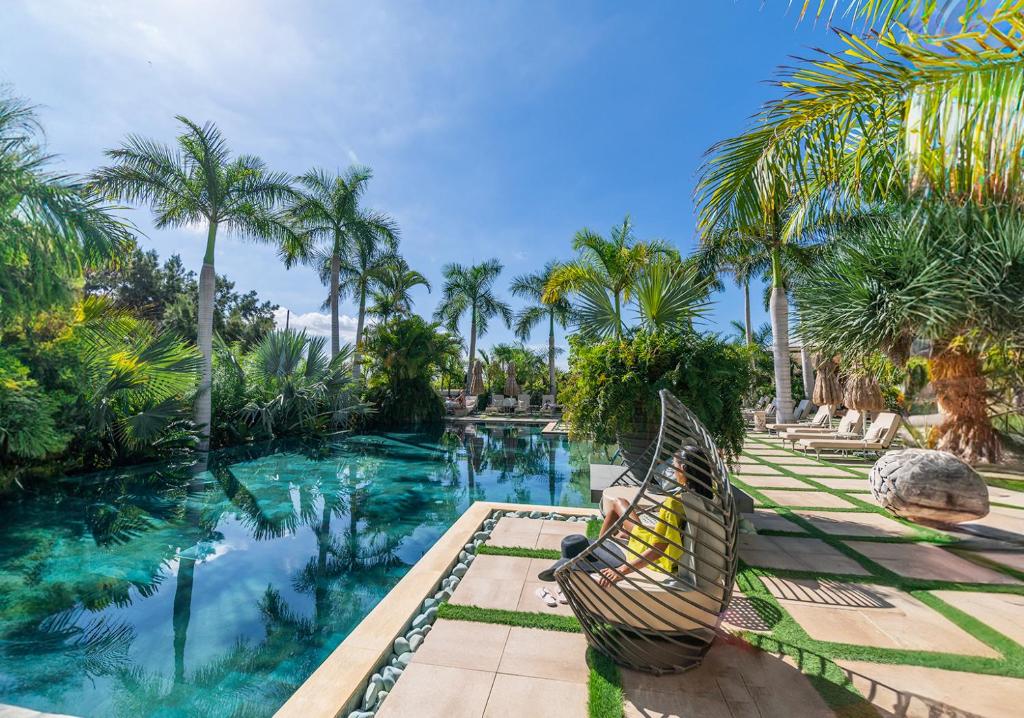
(381, 682)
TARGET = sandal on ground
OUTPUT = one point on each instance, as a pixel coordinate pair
(544, 595)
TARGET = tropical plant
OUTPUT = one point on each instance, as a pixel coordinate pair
(470, 289)
(194, 182)
(670, 295)
(295, 387)
(744, 261)
(613, 382)
(392, 295)
(52, 226)
(331, 226)
(602, 278)
(404, 355)
(556, 312)
(531, 372)
(953, 276)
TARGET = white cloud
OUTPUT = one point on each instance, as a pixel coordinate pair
(317, 323)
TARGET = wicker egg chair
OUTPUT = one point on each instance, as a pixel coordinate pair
(663, 617)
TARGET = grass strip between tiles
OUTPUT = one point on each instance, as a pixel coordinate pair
(521, 619)
(604, 688)
(518, 551)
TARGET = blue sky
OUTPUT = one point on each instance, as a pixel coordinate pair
(494, 129)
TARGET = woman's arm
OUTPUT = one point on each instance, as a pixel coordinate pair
(608, 576)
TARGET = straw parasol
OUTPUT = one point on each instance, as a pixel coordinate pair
(827, 391)
(863, 393)
(511, 385)
(476, 387)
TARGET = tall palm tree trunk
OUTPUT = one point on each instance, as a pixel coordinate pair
(746, 312)
(780, 335)
(335, 330)
(551, 352)
(357, 355)
(961, 391)
(472, 350)
(182, 613)
(204, 339)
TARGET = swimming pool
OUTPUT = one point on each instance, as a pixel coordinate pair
(171, 591)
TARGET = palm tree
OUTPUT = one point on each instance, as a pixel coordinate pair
(194, 182)
(392, 295)
(52, 226)
(558, 311)
(360, 272)
(732, 254)
(603, 276)
(330, 221)
(949, 275)
(471, 290)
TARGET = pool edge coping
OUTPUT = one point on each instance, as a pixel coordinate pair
(339, 682)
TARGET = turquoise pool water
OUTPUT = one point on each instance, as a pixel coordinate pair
(174, 591)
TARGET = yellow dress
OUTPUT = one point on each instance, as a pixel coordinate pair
(666, 530)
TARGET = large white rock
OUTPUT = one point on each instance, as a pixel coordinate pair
(929, 486)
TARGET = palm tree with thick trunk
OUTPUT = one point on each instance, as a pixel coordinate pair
(330, 223)
(192, 183)
(470, 290)
(360, 272)
(556, 312)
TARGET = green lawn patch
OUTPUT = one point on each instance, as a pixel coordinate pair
(523, 619)
(520, 551)
(604, 689)
(594, 528)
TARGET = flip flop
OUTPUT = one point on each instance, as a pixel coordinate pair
(561, 597)
(544, 595)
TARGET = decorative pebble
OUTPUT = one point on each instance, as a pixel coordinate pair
(481, 536)
(469, 547)
(557, 517)
(460, 570)
(392, 672)
(419, 620)
(381, 696)
(426, 630)
(401, 645)
(478, 543)
(454, 583)
(429, 603)
(370, 697)
(469, 559)
(389, 682)
(463, 556)
(415, 643)
(404, 659)
(535, 514)
(360, 714)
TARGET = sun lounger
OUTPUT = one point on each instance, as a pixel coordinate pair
(851, 426)
(801, 409)
(822, 418)
(877, 439)
(523, 404)
(469, 408)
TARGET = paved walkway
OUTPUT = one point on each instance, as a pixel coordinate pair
(840, 609)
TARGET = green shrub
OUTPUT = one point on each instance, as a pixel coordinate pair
(611, 381)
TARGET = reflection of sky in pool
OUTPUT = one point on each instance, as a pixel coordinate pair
(166, 591)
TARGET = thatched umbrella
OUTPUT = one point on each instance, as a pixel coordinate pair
(827, 391)
(476, 387)
(863, 393)
(511, 385)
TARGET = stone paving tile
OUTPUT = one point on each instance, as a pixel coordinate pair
(1006, 496)
(928, 562)
(552, 533)
(844, 483)
(1013, 558)
(855, 523)
(518, 696)
(427, 691)
(770, 520)
(463, 644)
(734, 680)
(871, 615)
(529, 601)
(555, 655)
(493, 582)
(765, 452)
(807, 498)
(1003, 520)
(778, 482)
(749, 614)
(1002, 611)
(797, 554)
(796, 462)
(515, 532)
(756, 470)
(900, 691)
(829, 471)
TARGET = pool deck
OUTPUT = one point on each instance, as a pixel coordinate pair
(840, 610)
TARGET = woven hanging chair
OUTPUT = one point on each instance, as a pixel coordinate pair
(664, 617)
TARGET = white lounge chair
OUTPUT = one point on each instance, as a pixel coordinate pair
(469, 408)
(851, 426)
(523, 404)
(878, 438)
(823, 418)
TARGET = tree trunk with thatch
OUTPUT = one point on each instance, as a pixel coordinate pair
(961, 390)
(863, 393)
